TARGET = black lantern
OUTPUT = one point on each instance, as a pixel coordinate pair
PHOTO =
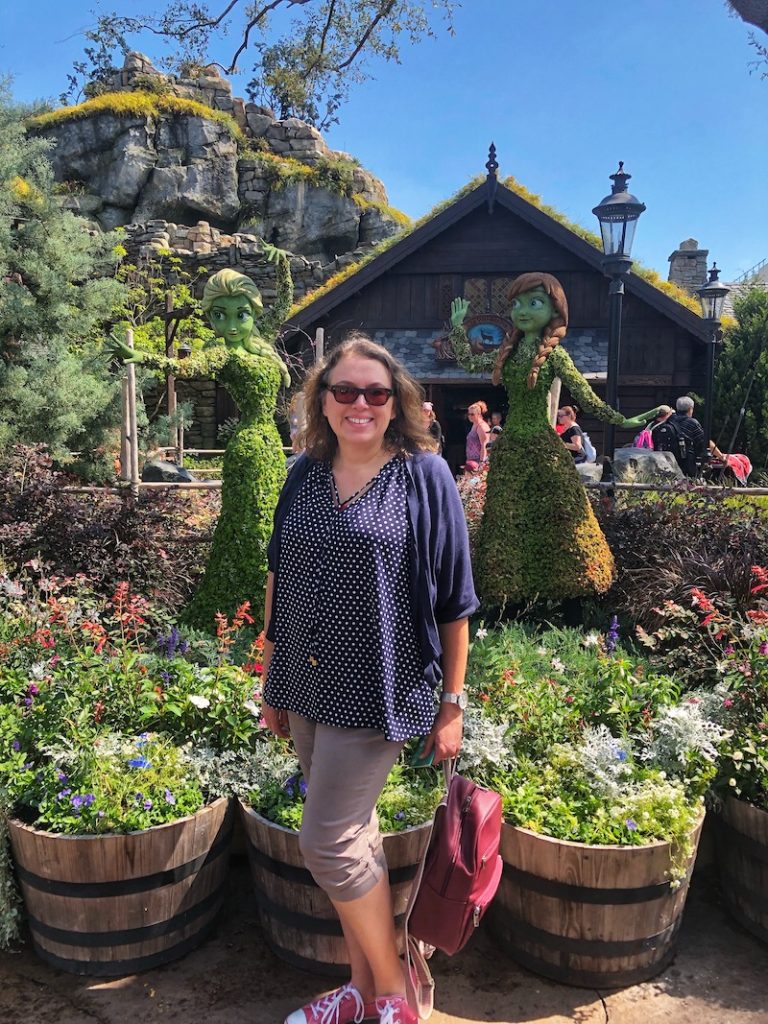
(618, 214)
(184, 350)
(712, 297)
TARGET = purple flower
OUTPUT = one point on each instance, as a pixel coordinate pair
(147, 805)
(302, 787)
(88, 799)
(61, 777)
(28, 702)
(729, 649)
(138, 798)
(631, 824)
(400, 815)
(167, 678)
(33, 689)
(63, 794)
(100, 814)
(183, 647)
(613, 635)
(169, 797)
(16, 745)
(763, 648)
(139, 762)
(621, 755)
(76, 801)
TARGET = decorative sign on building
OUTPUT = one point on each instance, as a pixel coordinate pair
(486, 332)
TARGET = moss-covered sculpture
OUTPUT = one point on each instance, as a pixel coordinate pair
(254, 465)
(539, 537)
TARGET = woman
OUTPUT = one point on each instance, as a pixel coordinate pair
(538, 536)
(477, 438)
(250, 368)
(572, 435)
(432, 425)
(368, 597)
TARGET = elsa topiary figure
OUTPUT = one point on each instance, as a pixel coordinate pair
(254, 465)
(539, 536)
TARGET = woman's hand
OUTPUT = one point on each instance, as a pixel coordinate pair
(445, 738)
(277, 721)
(459, 310)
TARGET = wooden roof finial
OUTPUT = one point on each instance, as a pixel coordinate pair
(491, 180)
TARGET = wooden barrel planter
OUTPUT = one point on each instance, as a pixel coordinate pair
(298, 920)
(116, 904)
(741, 844)
(592, 916)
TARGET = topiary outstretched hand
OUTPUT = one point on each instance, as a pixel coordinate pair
(459, 310)
(118, 349)
(639, 421)
(271, 253)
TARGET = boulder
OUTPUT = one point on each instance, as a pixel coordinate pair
(313, 221)
(159, 471)
(641, 466)
(589, 471)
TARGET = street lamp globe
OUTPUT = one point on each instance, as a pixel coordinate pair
(712, 295)
(618, 214)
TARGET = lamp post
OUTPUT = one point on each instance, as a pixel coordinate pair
(712, 297)
(618, 214)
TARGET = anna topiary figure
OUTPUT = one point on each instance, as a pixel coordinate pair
(538, 537)
(254, 465)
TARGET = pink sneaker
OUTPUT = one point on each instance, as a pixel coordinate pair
(342, 1006)
(395, 1010)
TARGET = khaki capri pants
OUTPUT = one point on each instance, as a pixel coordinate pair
(345, 771)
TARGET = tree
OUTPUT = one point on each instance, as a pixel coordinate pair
(754, 12)
(742, 367)
(56, 291)
(303, 65)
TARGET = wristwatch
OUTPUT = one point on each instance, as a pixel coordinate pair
(455, 698)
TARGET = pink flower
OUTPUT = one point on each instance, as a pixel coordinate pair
(763, 648)
(727, 703)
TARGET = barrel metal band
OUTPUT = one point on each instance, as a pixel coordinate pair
(583, 893)
(305, 963)
(593, 979)
(127, 886)
(126, 936)
(293, 873)
(510, 926)
(303, 922)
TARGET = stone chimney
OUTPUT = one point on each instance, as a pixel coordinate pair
(688, 265)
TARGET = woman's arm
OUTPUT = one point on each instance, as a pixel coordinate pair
(574, 443)
(445, 737)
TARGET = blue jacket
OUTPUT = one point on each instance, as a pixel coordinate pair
(441, 582)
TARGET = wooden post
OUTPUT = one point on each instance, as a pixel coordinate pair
(133, 459)
(319, 344)
(125, 431)
(170, 380)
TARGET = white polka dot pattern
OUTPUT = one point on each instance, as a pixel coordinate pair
(346, 651)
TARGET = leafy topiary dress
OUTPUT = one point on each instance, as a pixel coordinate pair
(253, 473)
(539, 537)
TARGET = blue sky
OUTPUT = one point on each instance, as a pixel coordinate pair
(564, 89)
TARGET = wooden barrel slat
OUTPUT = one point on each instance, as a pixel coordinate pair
(593, 916)
(741, 842)
(90, 915)
(299, 922)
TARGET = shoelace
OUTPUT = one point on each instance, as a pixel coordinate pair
(388, 1010)
(328, 1009)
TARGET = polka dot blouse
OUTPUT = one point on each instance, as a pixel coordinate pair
(346, 650)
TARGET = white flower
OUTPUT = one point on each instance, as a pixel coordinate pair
(591, 640)
(253, 707)
(558, 665)
(199, 701)
(481, 634)
(542, 650)
(37, 671)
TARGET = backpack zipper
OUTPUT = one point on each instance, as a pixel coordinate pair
(464, 809)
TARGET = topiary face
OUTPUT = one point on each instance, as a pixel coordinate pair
(532, 311)
(231, 317)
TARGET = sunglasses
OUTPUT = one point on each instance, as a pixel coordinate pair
(347, 394)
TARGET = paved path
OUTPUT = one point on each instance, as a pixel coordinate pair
(719, 977)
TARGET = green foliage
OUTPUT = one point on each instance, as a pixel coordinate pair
(303, 68)
(138, 103)
(56, 290)
(744, 351)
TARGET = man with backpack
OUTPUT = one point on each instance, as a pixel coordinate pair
(683, 435)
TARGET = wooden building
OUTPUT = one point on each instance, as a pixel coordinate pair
(474, 248)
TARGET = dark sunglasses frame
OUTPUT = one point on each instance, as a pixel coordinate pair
(373, 395)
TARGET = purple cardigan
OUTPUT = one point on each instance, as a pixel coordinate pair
(441, 582)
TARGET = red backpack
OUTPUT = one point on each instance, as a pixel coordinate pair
(462, 867)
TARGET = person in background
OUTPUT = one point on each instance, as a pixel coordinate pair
(572, 435)
(693, 432)
(368, 599)
(477, 437)
(496, 426)
(433, 426)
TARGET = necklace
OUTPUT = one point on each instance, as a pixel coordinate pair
(341, 505)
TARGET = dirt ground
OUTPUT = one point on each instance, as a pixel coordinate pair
(720, 976)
